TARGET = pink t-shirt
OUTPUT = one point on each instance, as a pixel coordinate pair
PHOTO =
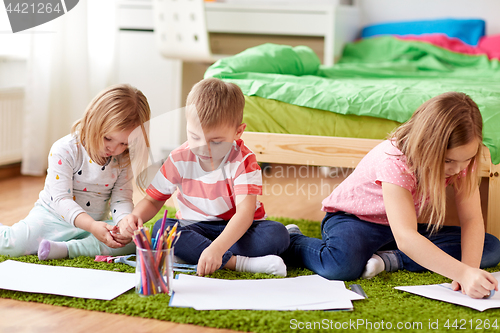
(360, 194)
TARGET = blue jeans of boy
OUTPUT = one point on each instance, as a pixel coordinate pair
(262, 238)
(348, 242)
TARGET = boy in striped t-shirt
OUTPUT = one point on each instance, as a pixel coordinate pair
(218, 179)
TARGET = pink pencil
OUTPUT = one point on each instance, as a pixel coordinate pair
(162, 228)
(152, 270)
(144, 282)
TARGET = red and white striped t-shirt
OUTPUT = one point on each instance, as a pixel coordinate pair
(208, 196)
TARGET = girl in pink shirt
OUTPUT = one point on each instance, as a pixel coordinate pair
(371, 220)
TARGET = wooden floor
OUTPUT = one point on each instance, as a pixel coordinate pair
(288, 191)
(294, 192)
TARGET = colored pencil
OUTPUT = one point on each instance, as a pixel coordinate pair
(155, 267)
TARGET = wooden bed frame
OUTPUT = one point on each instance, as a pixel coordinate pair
(347, 152)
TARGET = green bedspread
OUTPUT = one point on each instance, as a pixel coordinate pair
(379, 77)
(271, 116)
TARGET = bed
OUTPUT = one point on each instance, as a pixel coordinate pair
(300, 112)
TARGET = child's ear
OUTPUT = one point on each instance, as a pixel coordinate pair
(240, 130)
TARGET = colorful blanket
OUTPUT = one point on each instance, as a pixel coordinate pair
(488, 45)
(469, 31)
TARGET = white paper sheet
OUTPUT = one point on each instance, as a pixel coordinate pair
(301, 293)
(65, 281)
(443, 292)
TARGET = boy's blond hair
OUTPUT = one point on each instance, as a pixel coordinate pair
(117, 108)
(444, 122)
(217, 103)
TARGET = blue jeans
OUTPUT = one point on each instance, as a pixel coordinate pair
(348, 242)
(262, 238)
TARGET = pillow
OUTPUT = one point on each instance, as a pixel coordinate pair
(467, 30)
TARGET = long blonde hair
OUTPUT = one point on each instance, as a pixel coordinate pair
(444, 122)
(117, 108)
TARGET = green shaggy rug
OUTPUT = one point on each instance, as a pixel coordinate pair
(386, 309)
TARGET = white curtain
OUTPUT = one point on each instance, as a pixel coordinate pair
(70, 60)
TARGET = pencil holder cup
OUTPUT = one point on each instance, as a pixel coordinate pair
(154, 271)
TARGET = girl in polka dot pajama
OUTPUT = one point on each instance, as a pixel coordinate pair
(371, 218)
(88, 177)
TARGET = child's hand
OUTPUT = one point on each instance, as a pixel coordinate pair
(117, 236)
(210, 261)
(102, 231)
(129, 224)
(476, 283)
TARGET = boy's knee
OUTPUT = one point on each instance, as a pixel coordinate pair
(157, 225)
(279, 237)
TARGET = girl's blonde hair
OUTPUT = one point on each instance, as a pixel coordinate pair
(117, 108)
(444, 122)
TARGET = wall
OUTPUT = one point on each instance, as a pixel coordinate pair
(375, 11)
(139, 63)
(12, 72)
(166, 82)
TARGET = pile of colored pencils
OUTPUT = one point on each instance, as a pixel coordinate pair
(155, 259)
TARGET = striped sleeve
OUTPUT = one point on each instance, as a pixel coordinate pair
(165, 182)
(248, 176)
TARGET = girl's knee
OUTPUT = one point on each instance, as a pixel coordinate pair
(341, 273)
(13, 246)
(491, 242)
(335, 264)
(491, 251)
(13, 251)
